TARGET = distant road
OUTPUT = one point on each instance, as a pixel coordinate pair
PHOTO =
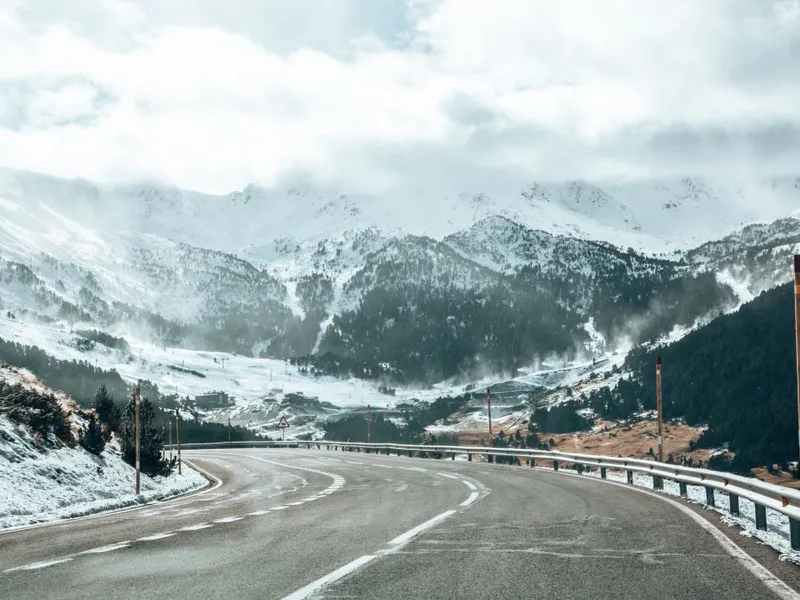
(317, 524)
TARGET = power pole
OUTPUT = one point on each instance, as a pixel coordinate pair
(658, 410)
(369, 423)
(169, 421)
(178, 437)
(797, 337)
(229, 431)
(489, 410)
(138, 442)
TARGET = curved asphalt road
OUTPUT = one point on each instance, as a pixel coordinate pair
(308, 524)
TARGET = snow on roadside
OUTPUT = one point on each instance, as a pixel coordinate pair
(38, 486)
(776, 536)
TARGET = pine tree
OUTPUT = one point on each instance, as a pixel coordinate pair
(92, 438)
(151, 442)
(107, 411)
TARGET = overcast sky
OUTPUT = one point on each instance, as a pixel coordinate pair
(367, 95)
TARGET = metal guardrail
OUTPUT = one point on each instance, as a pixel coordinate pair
(763, 495)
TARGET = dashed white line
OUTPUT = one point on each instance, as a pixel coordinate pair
(197, 527)
(40, 565)
(108, 548)
(331, 577)
(257, 513)
(228, 519)
(472, 497)
(404, 537)
(157, 536)
(278, 507)
(448, 475)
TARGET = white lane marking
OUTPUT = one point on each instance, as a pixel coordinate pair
(448, 475)
(315, 586)
(296, 503)
(404, 537)
(197, 527)
(257, 513)
(402, 488)
(417, 469)
(228, 519)
(472, 497)
(157, 536)
(40, 565)
(383, 466)
(109, 548)
(338, 480)
(470, 485)
(354, 462)
(278, 507)
(764, 575)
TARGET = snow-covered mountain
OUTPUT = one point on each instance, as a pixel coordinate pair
(400, 278)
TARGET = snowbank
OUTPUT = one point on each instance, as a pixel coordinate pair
(38, 486)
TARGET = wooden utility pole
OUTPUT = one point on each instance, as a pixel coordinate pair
(797, 339)
(178, 437)
(138, 442)
(369, 423)
(489, 410)
(658, 410)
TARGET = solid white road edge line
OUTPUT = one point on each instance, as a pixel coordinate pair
(759, 571)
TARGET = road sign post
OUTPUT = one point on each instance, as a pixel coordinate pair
(283, 425)
(369, 423)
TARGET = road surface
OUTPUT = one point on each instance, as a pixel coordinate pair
(317, 524)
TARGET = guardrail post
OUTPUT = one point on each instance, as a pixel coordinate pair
(489, 458)
(454, 455)
(602, 472)
(579, 468)
(710, 500)
(555, 464)
(656, 482)
(533, 462)
(794, 533)
(761, 517)
(629, 475)
(733, 500)
(682, 488)
(469, 457)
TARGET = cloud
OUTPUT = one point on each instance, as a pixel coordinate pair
(436, 94)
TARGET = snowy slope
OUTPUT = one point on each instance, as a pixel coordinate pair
(42, 482)
(248, 380)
